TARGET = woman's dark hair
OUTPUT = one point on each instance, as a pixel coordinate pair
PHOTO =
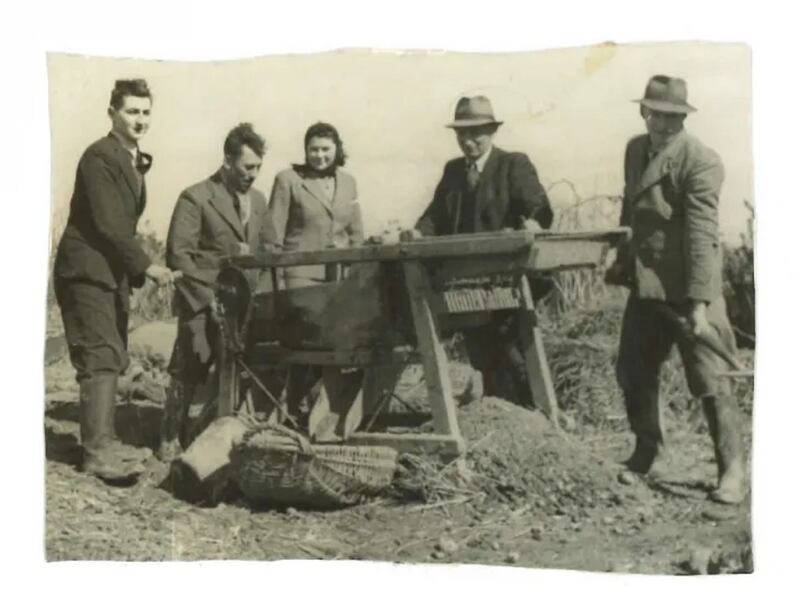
(241, 135)
(326, 130)
(136, 87)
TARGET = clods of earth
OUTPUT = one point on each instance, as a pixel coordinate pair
(526, 494)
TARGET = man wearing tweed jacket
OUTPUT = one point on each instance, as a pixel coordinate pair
(673, 266)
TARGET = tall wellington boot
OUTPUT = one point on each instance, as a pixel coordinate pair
(103, 454)
(649, 455)
(723, 425)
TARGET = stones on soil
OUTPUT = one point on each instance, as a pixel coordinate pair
(699, 560)
(446, 545)
(512, 557)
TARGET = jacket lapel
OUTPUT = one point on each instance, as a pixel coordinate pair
(222, 201)
(126, 163)
(659, 167)
(343, 193)
(312, 186)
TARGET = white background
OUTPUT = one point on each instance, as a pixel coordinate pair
(205, 31)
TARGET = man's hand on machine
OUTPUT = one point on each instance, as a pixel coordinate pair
(529, 224)
(162, 276)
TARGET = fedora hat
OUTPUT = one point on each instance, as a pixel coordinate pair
(473, 112)
(666, 94)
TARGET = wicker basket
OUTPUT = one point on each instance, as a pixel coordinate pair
(278, 466)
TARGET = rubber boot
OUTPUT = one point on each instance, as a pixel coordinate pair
(723, 425)
(649, 455)
(123, 450)
(174, 422)
(104, 455)
(643, 455)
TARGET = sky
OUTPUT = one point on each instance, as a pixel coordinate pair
(570, 110)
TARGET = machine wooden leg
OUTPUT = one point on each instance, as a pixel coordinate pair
(446, 446)
(434, 359)
(539, 378)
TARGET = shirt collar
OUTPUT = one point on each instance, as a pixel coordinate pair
(480, 162)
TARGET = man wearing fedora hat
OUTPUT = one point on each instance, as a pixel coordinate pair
(488, 189)
(673, 266)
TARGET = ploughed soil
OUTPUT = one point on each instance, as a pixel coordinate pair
(530, 495)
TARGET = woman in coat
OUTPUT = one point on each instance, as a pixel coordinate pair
(314, 206)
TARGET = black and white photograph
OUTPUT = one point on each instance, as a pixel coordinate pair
(440, 308)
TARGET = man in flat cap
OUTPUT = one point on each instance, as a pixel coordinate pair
(489, 189)
(673, 266)
(97, 262)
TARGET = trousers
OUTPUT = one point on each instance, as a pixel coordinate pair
(646, 339)
(193, 352)
(95, 325)
(495, 349)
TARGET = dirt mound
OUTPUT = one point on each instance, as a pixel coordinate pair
(518, 458)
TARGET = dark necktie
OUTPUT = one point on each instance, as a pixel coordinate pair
(472, 175)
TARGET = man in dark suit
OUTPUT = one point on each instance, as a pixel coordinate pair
(489, 189)
(97, 263)
(673, 266)
(220, 216)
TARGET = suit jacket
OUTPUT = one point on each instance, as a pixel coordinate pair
(206, 227)
(508, 190)
(303, 219)
(671, 204)
(99, 242)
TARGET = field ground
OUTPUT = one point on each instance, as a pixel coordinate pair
(535, 498)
